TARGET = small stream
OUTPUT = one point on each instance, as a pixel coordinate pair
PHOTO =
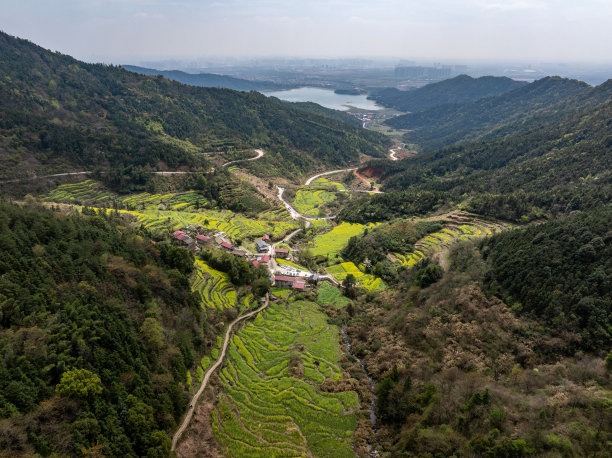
(374, 451)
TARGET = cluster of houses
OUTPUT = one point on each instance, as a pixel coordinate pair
(262, 257)
(201, 240)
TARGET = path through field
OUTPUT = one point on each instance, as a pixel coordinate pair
(211, 370)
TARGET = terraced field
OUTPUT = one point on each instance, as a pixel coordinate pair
(459, 226)
(214, 287)
(330, 243)
(86, 192)
(90, 192)
(367, 281)
(175, 211)
(234, 225)
(307, 200)
(271, 404)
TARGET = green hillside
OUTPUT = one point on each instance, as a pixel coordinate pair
(98, 329)
(548, 170)
(462, 88)
(60, 114)
(520, 108)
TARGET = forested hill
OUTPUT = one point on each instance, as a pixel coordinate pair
(462, 88)
(208, 79)
(547, 170)
(59, 114)
(444, 125)
(98, 328)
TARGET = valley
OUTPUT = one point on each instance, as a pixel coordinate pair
(196, 271)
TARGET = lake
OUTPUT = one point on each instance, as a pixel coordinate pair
(326, 98)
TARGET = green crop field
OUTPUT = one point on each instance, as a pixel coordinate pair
(234, 225)
(322, 181)
(86, 192)
(330, 243)
(308, 200)
(329, 294)
(92, 193)
(214, 287)
(367, 281)
(464, 229)
(271, 404)
(175, 211)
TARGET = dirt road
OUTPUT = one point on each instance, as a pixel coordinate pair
(211, 370)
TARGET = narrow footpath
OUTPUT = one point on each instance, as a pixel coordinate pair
(211, 370)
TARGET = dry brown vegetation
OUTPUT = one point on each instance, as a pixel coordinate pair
(459, 374)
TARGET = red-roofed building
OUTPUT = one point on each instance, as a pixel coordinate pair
(265, 238)
(226, 245)
(265, 258)
(283, 280)
(203, 239)
(281, 253)
(299, 284)
(178, 234)
(255, 262)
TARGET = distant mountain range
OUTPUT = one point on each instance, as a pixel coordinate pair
(445, 124)
(209, 79)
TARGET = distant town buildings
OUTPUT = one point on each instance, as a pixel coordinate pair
(417, 72)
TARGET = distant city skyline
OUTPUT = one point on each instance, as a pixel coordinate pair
(122, 31)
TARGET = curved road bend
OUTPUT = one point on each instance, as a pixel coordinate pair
(211, 370)
(313, 178)
(259, 152)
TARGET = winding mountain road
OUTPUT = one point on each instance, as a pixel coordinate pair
(211, 370)
(259, 152)
(392, 155)
(331, 172)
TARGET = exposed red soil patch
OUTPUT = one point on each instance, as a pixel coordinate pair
(370, 172)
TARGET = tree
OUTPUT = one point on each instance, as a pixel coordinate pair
(80, 384)
(349, 286)
(153, 334)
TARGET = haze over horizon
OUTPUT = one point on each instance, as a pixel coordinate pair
(115, 31)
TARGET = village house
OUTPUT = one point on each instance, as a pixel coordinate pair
(282, 253)
(203, 239)
(283, 281)
(261, 246)
(266, 238)
(221, 238)
(227, 246)
(240, 252)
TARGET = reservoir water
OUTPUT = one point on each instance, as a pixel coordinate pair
(326, 98)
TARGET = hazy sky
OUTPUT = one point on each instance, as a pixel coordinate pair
(132, 30)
